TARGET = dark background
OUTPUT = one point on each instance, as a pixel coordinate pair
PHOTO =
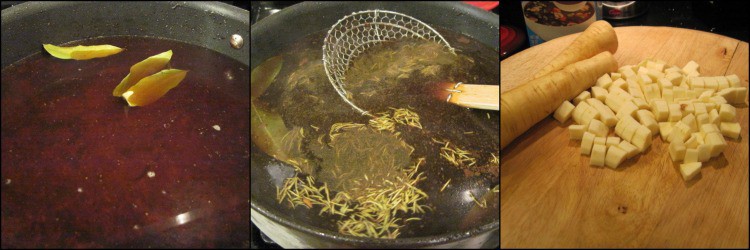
(727, 18)
(259, 6)
(241, 4)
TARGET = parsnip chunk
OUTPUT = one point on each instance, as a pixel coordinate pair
(690, 170)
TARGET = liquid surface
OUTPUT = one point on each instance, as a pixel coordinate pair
(82, 169)
(393, 75)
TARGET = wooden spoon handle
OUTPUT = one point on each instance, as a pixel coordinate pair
(475, 96)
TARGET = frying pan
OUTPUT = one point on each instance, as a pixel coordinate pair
(457, 223)
(209, 25)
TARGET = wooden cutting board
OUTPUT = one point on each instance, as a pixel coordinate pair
(551, 197)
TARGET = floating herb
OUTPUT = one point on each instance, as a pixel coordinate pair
(153, 87)
(445, 185)
(81, 52)
(144, 68)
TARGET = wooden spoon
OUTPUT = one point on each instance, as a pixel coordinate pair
(474, 96)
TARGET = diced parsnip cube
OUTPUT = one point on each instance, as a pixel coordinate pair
(692, 142)
(711, 106)
(727, 113)
(696, 83)
(711, 83)
(734, 81)
(655, 66)
(730, 129)
(613, 101)
(563, 113)
(627, 109)
(718, 100)
(692, 93)
(709, 128)
(713, 117)
(674, 77)
(664, 129)
(641, 103)
(677, 134)
(615, 156)
(690, 170)
(579, 111)
(628, 148)
(674, 112)
(673, 69)
(635, 91)
(600, 140)
(618, 84)
(716, 142)
(702, 119)
(678, 92)
(641, 70)
(683, 83)
(627, 71)
(598, 153)
(734, 95)
(660, 108)
(691, 155)
(621, 92)
(643, 78)
(677, 151)
(641, 138)
(687, 108)
(588, 115)
(598, 128)
(664, 83)
(587, 142)
(723, 83)
(684, 128)
(629, 121)
(644, 113)
(739, 95)
(667, 95)
(629, 131)
(613, 140)
(619, 128)
(604, 81)
(700, 108)
(614, 76)
(581, 97)
(599, 93)
(705, 95)
(651, 91)
(691, 66)
(727, 93)
(576, 131)
(605, 113)
(700, 136)
(704, 152)
(690, 121)
(647, 119)
(654, 75)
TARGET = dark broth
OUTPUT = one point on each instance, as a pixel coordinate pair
(304, 98)
(75, 159)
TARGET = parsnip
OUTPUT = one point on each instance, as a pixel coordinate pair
(564, 111)
(598, 37)
(524, 106)
(690, 170)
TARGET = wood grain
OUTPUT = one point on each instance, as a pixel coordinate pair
(551, 197)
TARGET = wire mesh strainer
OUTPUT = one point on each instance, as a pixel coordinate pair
(355, 33)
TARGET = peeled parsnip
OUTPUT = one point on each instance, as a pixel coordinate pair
(597, 38)
(524, 106)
